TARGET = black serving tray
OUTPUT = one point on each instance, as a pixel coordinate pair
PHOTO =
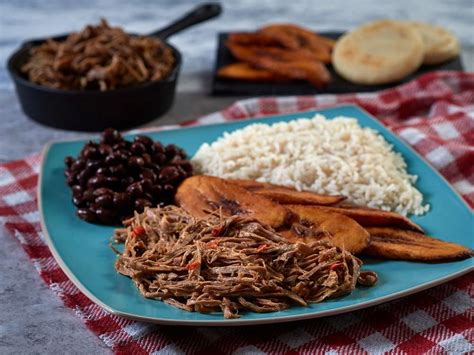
(338, 85)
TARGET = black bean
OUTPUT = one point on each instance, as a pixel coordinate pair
(102, 191)
(88, 195)
(187, 167)
(135, 189)
(86, 214)
(106, 215)
(169, 174)
(69, 161)
(159, 158)
(105, 149)
(156, 190)
(148, 174)
(138, 148)
(83, 177)
(104, 171)
(146, 185)
(169, 189)
(111, 159)
(97, 181)
(71, 180)
(111, 135)
(79, 164)
(119, 146)
(78, 201)
(104, 200)
(135, 162)
(117, 170)
(141, 203)
(76, 190)
(121, 200)
(112, 181)
(147, 159)
(126, 181)
(158, 147)
(146, 141)
(171, 150)
(90, 152)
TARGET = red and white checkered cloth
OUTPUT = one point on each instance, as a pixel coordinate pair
(435, 114)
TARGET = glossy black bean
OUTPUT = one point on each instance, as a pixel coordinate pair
(103, 171)
(104, 200)
(126, 181)
(78, 201)
(169, 174)
(159, 147)
(76, 190)
(69, 161)
(79, 164)
(106, 215)
(146, 185)
(105, 149)
(141, 203)
(102, 191)
(86, 214)
(111, 135)
(117, 170)
(97, 181)
(146, 141)
(90, 153)
(88, 195)
(138, 148)
(147, 159)
(112, 181)
(135, 189)
(148, 174)
(159, 158)
(156, 190)
(71, 180)
(135, 162)
(111, 159)
(122, 200)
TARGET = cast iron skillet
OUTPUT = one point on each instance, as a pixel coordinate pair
(96, 110)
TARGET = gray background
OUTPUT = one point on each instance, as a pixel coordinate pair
(32, 318)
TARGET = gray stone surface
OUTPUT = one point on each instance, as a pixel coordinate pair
(32, 318)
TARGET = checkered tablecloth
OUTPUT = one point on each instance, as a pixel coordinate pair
(434, 114)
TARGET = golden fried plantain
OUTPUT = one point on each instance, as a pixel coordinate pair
(369, 217)
(300, 65)
(244, 71)
(297, 38)
(342, 230)
(201, 194)
(287, 195)
(392, 243)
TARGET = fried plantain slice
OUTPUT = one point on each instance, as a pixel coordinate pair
(287, 195)
(298, 38)
(293, 65)
(341, 230)
(368, 217)
(392, 243)
(202, 194)
(244, 71)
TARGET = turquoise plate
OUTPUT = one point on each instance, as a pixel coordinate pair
(82, 250)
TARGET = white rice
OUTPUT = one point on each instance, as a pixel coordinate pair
(326, 156)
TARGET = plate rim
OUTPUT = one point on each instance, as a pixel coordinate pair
(240, 321)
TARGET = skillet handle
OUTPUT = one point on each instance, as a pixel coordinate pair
(199, 14)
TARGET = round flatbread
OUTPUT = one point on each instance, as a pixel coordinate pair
(379, 52)
(440, 44)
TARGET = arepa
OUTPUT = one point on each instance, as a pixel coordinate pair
(379, 52)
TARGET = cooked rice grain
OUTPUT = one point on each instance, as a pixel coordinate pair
(334, 156)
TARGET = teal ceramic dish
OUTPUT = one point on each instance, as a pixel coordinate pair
(82, 250)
